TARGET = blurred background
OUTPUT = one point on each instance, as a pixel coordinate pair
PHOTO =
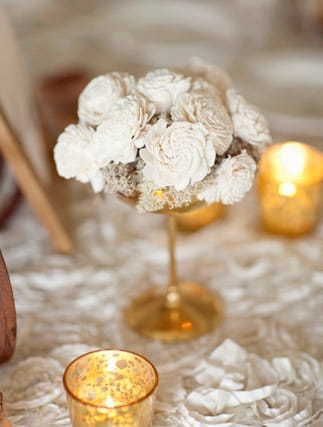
(272, 48)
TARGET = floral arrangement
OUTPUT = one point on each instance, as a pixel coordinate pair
(168, 139)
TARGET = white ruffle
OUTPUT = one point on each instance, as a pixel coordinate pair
(260, 368)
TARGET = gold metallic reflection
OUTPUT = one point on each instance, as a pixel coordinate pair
(109, 388)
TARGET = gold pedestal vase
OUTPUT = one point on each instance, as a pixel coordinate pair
(183, 311)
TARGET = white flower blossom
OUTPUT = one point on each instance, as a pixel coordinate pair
(141, 138)
(233, 179)
(177, 155)
(203, 87)
(114, 139)
(162, 87)
(175, 124)
(100, 94)
(213, 74)
(196, 108)
(248, 123)
(74, 154)
(98, 181)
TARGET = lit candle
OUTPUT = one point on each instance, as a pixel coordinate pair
(110, 388)
(290, 188)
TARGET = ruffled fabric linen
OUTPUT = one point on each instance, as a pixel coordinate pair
(262, 367)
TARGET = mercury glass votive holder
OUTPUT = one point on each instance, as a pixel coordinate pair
(110, 388)
(198, 218)
(290, 188)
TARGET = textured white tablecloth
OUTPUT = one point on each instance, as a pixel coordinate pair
(262, 366)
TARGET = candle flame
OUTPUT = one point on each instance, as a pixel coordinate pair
(287, 189)
(110, 402)
(292, 157)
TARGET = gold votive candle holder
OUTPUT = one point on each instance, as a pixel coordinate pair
(197, 218)
(290, 188)
(109, 388)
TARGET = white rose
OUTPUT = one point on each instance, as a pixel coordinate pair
(194, 107)
(141, 138)
(114, 139)
(162, 87)
(177, 155)
(218, 77)
(283, 408)
(100, 94)
(248, 123)
(233, 179)
(98, 181)
(213, 74)
(74, 154)
(205, 88)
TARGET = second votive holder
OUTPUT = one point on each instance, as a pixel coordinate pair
(110, 388)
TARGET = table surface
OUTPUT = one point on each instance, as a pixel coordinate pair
(262, 367)
(263, 363)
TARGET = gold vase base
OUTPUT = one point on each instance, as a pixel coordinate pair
(199, 311)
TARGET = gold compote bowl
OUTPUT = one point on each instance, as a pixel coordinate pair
(185, 310)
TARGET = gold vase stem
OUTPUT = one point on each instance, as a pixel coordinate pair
(172, 295)
(186, 310)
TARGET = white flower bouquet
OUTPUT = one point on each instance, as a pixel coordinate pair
(167, 140)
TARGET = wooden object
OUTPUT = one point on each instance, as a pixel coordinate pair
(4, 421)
(57, 94)
(10, 194)
(32, 188)
(7, 314)
(22, 142)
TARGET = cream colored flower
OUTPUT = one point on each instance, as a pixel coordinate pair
(218, 77)
(213, 74)
(177, 155)
(100, 94)
(114, 139)
(98, 181)
(233, 179)
(74, 153)
(141, 139)
(203, 87)
(248, 123)
(196, 108)
(162, 87)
